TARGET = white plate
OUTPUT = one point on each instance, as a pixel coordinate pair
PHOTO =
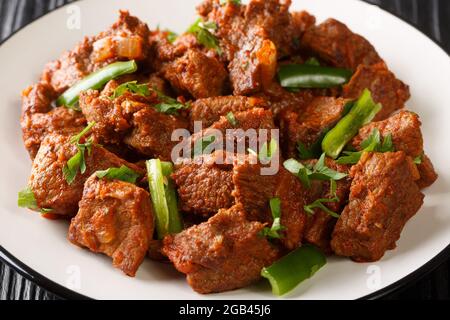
(41, 245)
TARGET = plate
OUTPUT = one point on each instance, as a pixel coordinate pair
(38, 247)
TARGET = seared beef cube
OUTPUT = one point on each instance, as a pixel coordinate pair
(126, 39)
(254, 191)
(59, 120)
(252, 37)
(335, 43)
(152, 133)
(204, 186)
(384, 86)
(427, 173)
(38, 99)
(210, 110)
(224, 253)
(320, 225)
(255, 118)
(404, 128)
(112, 116)
(279, 99)
(301, 21)
(115, 218)
(383, 197)
(196, 74)
(47, 181)
(306, 126)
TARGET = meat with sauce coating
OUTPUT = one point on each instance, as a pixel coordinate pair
(227, 252)
(47, 180)
(383, 197)
(115, 218)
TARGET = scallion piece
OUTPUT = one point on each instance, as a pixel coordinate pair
(123, 174)
(96, 81)
(288, 272)
(167, 217)
(312, 76)
(363, 111)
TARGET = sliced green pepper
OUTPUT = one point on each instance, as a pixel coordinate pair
(167, 217)
(288, 272)
(312, 76)
(96, 80)
(363, 111)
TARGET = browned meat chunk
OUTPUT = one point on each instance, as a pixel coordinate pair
(35, 126)
(336, 44)
(196, 74)
(115, 218)
(383, 197)
(253, 191)
(384, 86)
(204, 186)
(404, 128)
(38, 118)
(302, 21)
(222, 254)
(252, 36)
(126, 39)
(113, 117)
(210, 110)
(307, 125)
(279, 99)
(37, 99)
(47, 181)
(428, 175)
(406, 136)
(152, 133)
(255, 118)
(320, 225)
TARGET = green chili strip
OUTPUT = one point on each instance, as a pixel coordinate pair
(96, 81)
(288, 272)
(312, 76)
(167, 217)
(363, 111)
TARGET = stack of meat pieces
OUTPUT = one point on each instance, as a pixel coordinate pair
(224, 197)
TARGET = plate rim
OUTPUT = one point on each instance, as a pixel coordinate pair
(63, 292)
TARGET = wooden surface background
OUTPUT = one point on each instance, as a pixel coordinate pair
(430, 16)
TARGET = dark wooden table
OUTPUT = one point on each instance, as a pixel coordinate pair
(430, 16)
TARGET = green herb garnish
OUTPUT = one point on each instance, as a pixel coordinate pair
(373, 143)
(133, 87)
(201, 145)
(169, 105)
(78, 162)
(317, 172)
(273, 231)
(26, 199)
(267, 151)
(123, 174)
(203, 31)
(171, 36)
(418, 160)
(231, 119)
(319, 203)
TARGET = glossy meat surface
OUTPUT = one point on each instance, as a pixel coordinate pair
(115, 218)
(224, 253)
(47, 180)
(383, 197)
